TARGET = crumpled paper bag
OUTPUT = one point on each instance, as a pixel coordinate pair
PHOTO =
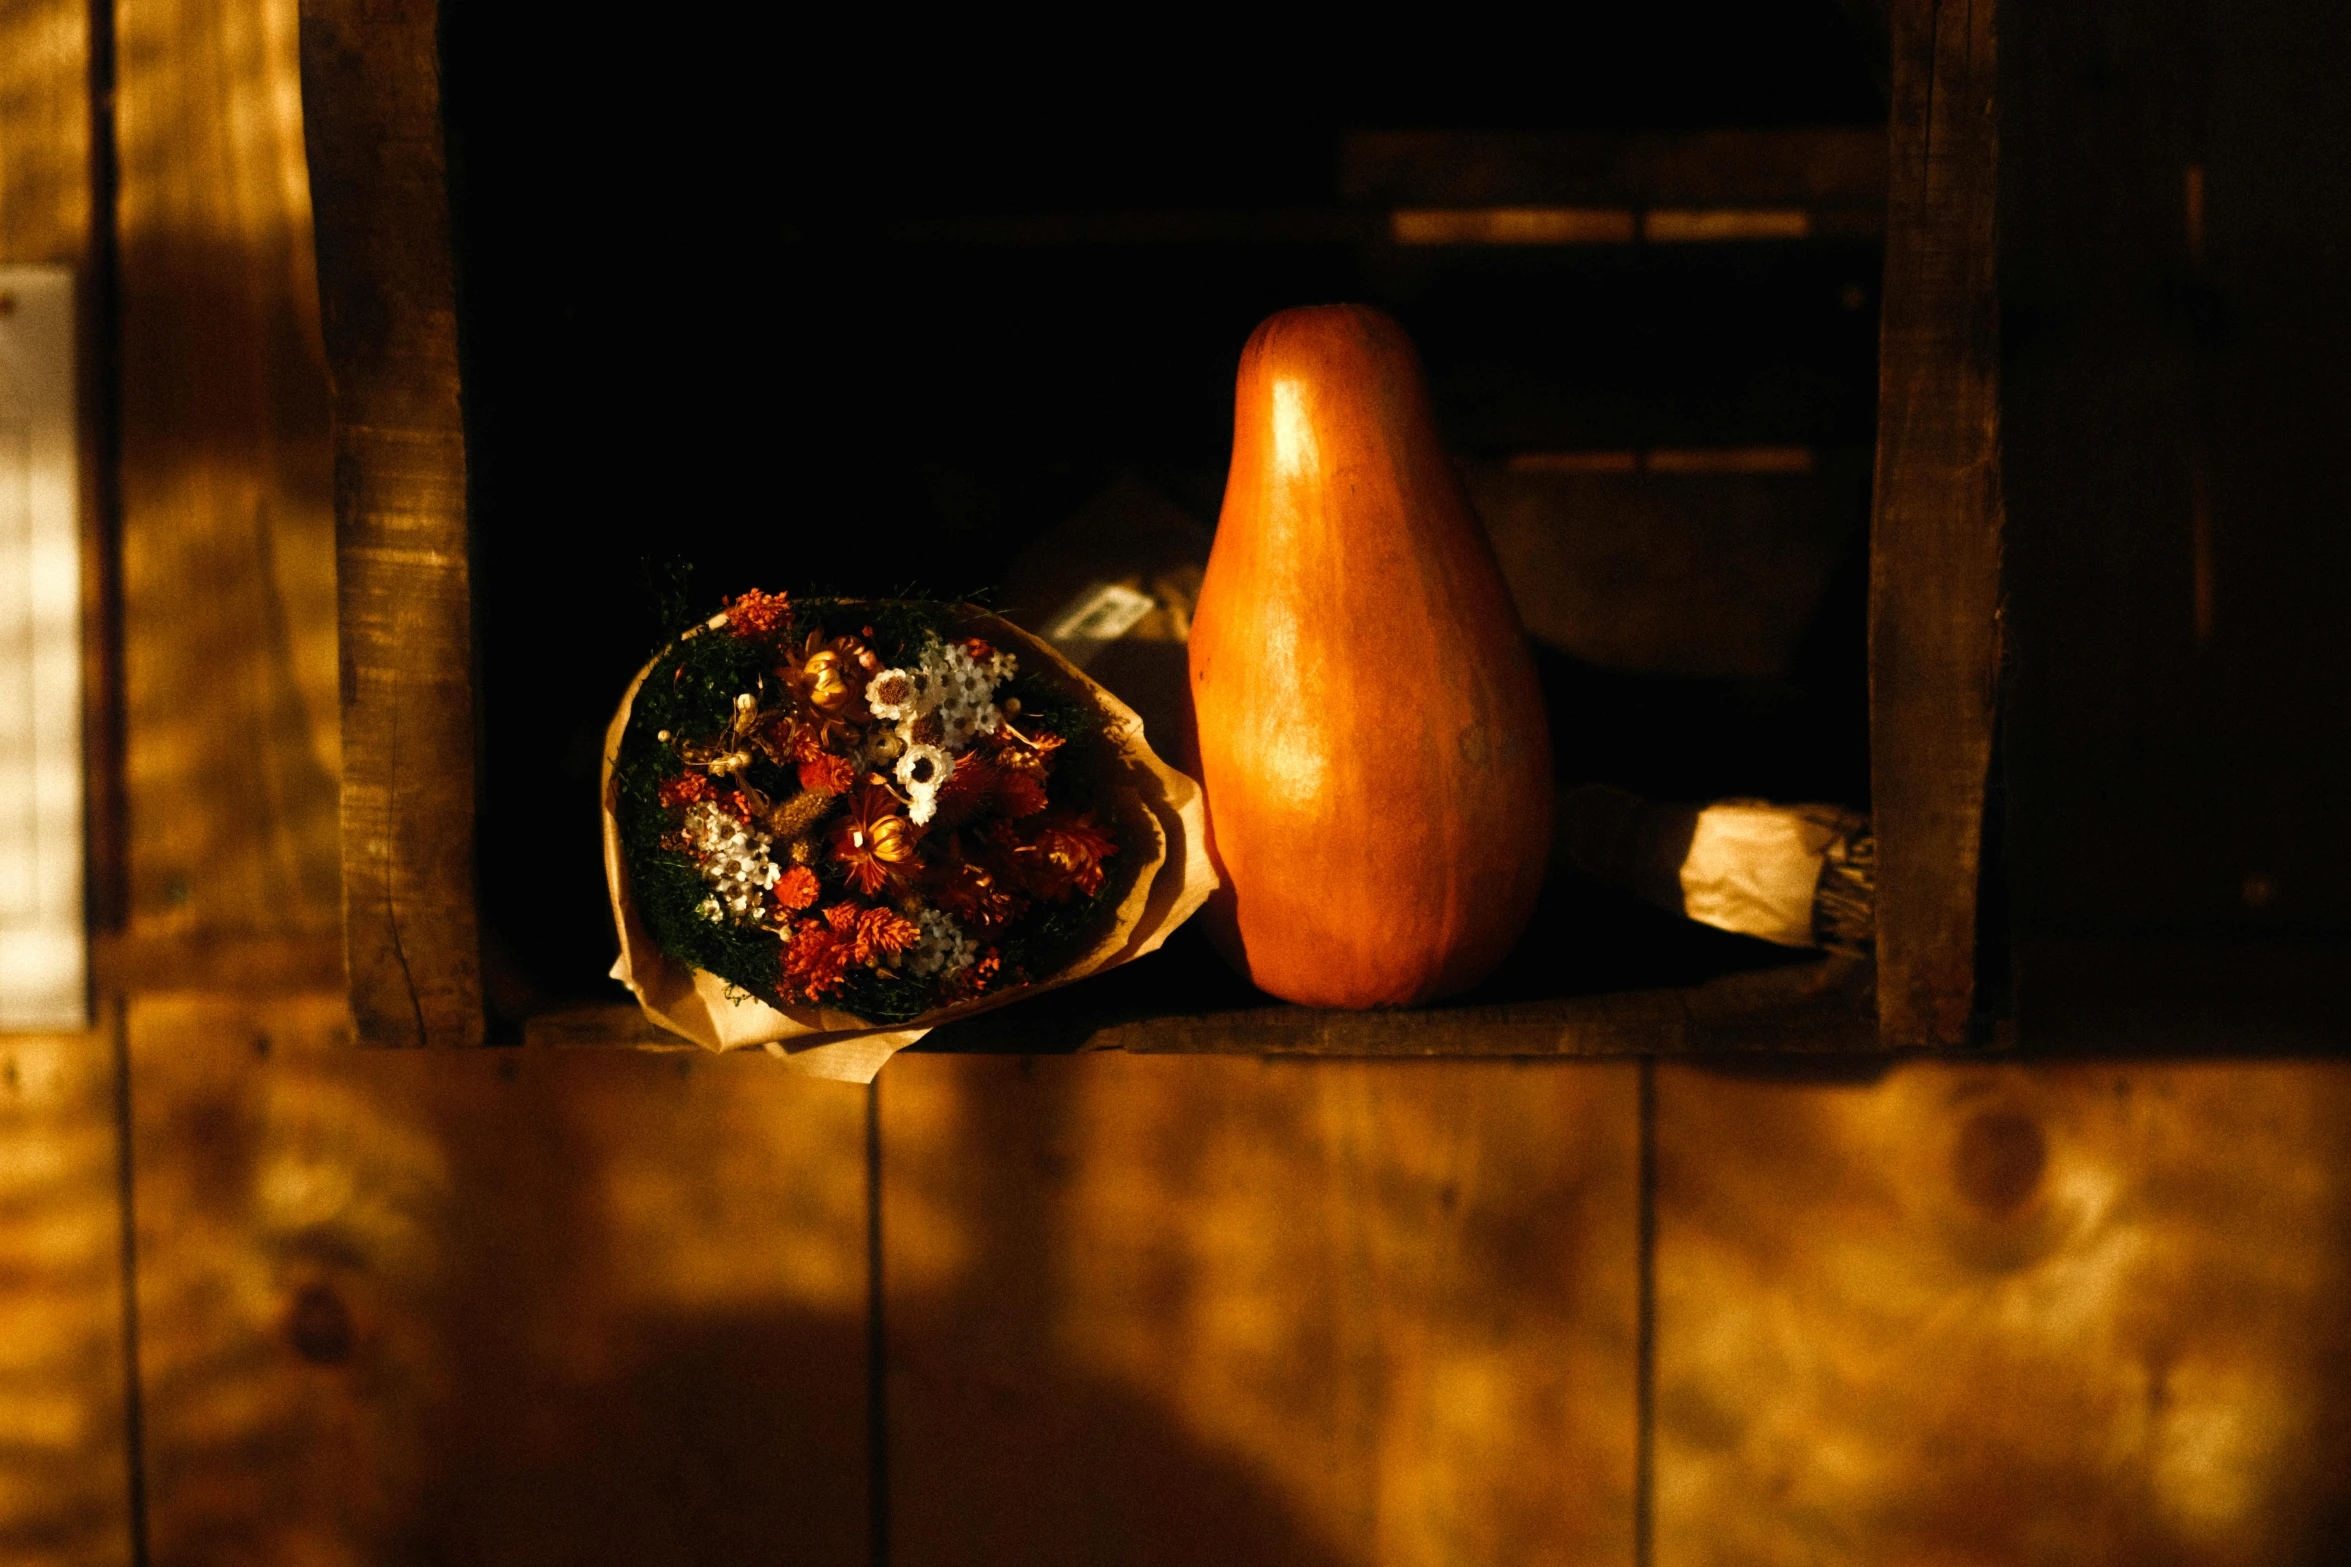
(1162, 825)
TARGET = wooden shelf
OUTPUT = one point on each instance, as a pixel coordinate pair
(1824, 1007)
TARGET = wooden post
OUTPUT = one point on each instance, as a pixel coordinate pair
(1934, 614)
(371, 99)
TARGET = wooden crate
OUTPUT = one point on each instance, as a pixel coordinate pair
(1978, 826)
(410, 598)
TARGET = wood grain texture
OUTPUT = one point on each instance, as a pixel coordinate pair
(1150, 1311)
(45, 153)
(517, 1309)
(64, 1455)
(64, 1458)
(227, 565)
(1934, 639)
(1974, 1315)
(370, 90)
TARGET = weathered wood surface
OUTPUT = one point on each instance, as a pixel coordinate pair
(1934, 637)
(227, 562)
(2172, 230)
(379, 178)
(514, 1309)
(45, 154)
(1147, 1311)
(2084, 1314)
(65, 1493)
(1811, 1008)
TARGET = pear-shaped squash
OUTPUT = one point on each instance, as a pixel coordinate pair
(1369, 732)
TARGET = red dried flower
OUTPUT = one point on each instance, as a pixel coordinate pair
(1075, 848)
(828, 774)
(1020, 794)
(977, 977)
(972, 893)
(1061, 855)
(757, 614)
(686, 788)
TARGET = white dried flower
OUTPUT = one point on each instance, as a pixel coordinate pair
(733, 857)
(921, 772)
(942, 948)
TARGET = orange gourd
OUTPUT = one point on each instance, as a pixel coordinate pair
(1370, 736)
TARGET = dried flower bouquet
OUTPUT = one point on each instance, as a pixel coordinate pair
(831, 825)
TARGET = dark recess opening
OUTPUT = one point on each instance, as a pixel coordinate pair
(696, 334)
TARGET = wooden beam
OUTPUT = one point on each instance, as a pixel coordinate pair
(378, 173)
(227, 471)
(1934, 633)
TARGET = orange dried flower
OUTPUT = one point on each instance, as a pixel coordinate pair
(874, 844)
(815, 960)
(883, 933)
(826, 773)
(795, 890)
(757, 614)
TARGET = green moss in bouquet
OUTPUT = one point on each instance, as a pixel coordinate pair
(860, 804)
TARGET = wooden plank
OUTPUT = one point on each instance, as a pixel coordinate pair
(64, 1459)
(1975, 1314)
(249, 965)
(1934, 634)
(1146, 1311)
(2174, 407)
(227, 564)
(45, 157)
(513, 1308)
(1813, 1008)
(370, 90)
(65, 1485)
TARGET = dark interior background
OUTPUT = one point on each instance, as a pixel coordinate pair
(725, 321)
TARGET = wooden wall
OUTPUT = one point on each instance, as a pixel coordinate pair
(571, 1307)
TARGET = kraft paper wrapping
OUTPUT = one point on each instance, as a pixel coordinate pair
(1162, 825)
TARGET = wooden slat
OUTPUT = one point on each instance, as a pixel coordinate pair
(370, 90)
(1148, 1311)
(508, 1308)
(2088, 1314)
(227, 565)
(1934, 638)
(1814, 168)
